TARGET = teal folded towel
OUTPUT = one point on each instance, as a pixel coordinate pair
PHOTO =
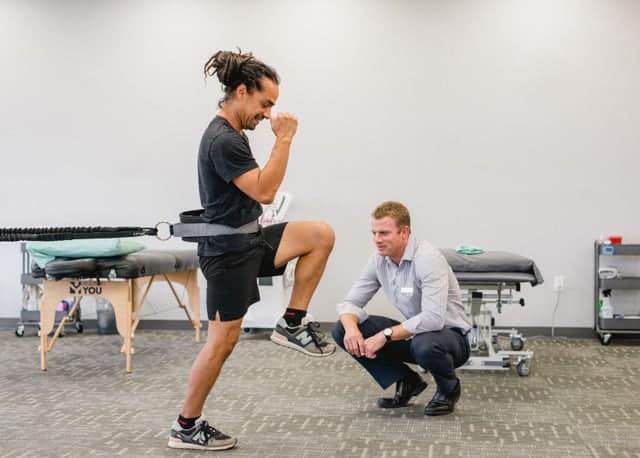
(45, 252)
(468, 249)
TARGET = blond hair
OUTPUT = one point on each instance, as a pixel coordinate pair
(395, 210)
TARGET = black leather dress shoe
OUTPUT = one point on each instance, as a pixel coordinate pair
(406, 388)
(442, 404)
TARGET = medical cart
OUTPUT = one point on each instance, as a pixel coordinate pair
(619, 324)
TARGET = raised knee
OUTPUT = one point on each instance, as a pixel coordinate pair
(326, 235)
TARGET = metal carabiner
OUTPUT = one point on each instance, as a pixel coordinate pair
(162, 238)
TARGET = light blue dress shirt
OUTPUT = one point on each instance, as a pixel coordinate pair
(423, 288)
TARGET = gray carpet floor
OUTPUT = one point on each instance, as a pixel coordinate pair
(581, 399)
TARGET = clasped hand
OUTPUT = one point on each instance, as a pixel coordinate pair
(358, 346)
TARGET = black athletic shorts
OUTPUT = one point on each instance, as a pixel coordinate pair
(232, 284)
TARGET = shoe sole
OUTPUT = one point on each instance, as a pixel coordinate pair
(279, 339)
(438, 414)
(177, 443)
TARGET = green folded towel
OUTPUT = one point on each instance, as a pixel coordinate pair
(44, 252)
(468, 249)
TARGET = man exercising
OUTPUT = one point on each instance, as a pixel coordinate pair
(232, 188)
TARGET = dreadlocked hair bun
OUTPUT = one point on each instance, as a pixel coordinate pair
(227, 66)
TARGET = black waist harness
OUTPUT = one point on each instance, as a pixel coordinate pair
(192, 228)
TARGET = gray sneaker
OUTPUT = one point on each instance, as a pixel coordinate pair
(305, 338)
(202, 436)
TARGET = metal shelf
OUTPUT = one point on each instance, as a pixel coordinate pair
(608, 327)
(619, 249)
(620, 283)
(620, 324)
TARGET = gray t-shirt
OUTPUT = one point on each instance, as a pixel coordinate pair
(224, 155)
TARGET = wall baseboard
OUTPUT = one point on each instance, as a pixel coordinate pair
(527, 331)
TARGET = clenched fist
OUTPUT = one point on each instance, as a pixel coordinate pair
(284, 125)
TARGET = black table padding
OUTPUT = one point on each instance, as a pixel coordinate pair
(495, 277)
(493, 266)
(140, 264)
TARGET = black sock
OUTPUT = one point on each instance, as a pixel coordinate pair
(187, 423)
(294, 317)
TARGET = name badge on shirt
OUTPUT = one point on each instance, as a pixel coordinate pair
(406, 290)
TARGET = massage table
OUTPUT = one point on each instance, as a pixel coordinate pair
(124, 281)
(493, 277)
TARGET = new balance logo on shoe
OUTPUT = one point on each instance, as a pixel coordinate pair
(305, 338)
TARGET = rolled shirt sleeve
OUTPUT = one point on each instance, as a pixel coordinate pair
(361, 292)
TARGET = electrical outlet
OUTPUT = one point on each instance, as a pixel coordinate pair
(558, 283)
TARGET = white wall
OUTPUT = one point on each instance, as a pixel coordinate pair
(510, 125)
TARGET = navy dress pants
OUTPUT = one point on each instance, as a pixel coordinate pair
(438, 352)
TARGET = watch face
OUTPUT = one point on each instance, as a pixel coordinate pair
(388, 332)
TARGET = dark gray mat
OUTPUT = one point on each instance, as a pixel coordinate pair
(582, 399)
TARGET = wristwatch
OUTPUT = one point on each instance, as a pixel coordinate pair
(388, 332)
